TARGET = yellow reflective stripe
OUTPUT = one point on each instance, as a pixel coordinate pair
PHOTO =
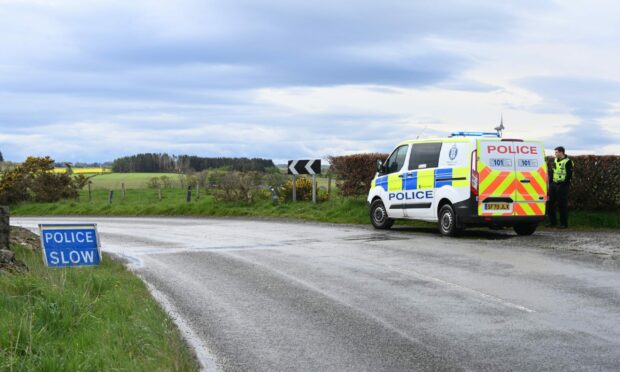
(543, 208)
(501, 189)
(540, 180)
(426, 179)
(395, 183)
(528, 209)
(524, 208)
(488, 180)
(531, 192)
(458, 173)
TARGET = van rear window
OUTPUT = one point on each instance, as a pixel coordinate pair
(424, 155)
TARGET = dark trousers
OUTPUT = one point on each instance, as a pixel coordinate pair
(558, 195)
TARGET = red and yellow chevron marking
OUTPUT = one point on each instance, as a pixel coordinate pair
(496, 184)
(526, 196)
(529, 208)
(528, 200)
(536, 188)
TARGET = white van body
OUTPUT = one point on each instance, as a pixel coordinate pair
(460, 181)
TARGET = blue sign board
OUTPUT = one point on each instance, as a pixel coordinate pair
(70, 245)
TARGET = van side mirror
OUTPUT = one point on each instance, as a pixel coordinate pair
(380, 167)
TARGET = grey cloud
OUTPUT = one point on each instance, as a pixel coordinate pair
(584, 97)
(585, 136)
(277, 43)
(588, 99)
(128, 64)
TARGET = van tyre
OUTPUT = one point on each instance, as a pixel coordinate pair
(378, 215)
(525, 228)
(447, 221)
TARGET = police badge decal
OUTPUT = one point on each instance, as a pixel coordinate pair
(454, 151)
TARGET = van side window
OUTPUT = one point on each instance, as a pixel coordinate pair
(396, 160)
(424, 155)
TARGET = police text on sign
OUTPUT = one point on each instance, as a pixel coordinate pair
(70, 245)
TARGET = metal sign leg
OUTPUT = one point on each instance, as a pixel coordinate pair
(314, 189)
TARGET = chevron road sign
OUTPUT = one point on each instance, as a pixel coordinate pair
(296, 167)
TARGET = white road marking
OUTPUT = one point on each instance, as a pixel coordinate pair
(468, 290)
(205, 358)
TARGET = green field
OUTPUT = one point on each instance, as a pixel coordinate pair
(114, 181)
(84, 319)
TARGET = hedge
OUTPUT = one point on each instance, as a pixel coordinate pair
(354, 173)
(595, 184)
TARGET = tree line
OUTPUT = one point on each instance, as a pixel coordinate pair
(153, 162)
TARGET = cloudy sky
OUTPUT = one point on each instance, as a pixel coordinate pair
(285, 79)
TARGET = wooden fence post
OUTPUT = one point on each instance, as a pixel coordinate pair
(5, 227)
(90, 196)
(110, 196)
(123, 187)
(159, 189)
(189, 193)
(329, 186)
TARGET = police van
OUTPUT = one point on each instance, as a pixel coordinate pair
(467, 179)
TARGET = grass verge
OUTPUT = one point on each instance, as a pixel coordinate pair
(99, 318)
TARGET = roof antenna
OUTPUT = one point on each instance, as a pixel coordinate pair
(501, 127)
(421, 133)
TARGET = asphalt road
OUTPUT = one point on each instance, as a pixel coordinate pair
(275, 296)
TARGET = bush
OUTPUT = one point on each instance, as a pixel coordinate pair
(355, 172)
(189, 179)
(34, 180)
(153, 183)
(595, 184)
(274, 178)
(303, 191)
(202, 178)
(238, 186)
(215, 177)
(165, 181)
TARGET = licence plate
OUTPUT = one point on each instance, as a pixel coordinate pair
(496, 206)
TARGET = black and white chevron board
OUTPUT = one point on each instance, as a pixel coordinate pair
(296, 167)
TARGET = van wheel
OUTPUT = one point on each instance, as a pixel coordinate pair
(378, 215)
(447, 221)
(525, 228)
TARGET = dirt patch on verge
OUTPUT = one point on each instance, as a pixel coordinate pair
(24, 238)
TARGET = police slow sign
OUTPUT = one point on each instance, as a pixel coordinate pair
(70, 245)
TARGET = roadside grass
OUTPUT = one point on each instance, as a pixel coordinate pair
(594, 219)
(145, 202)
(98, 318)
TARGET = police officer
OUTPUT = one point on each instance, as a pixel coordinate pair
(558, 189)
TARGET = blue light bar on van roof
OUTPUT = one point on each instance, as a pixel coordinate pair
(475, 134)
